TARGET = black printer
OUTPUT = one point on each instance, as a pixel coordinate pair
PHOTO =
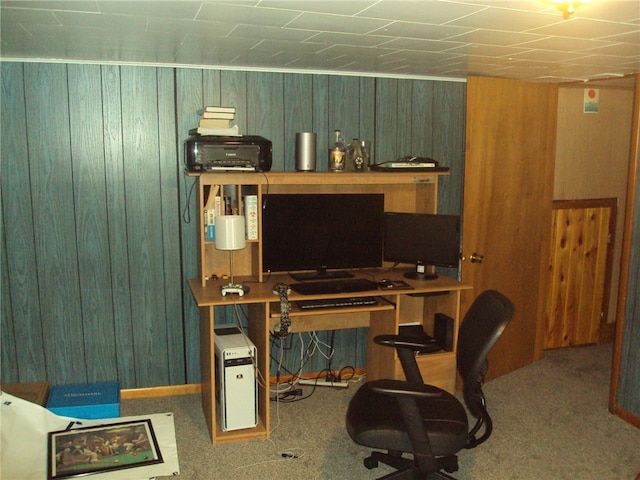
(210, 153)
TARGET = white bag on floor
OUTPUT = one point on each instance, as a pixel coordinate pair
(23, 443)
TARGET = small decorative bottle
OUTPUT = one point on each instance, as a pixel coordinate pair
(337, 153)
(355, 157)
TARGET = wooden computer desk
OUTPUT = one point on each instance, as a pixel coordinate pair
(396, 307)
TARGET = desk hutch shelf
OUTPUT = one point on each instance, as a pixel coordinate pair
(403, 192)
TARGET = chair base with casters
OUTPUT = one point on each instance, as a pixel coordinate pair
(417, 428)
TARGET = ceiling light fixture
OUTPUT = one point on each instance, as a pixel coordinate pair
(567, 7)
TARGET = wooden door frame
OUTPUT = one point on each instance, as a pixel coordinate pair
(605, 331)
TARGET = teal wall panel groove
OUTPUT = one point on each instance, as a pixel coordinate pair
(99, 221)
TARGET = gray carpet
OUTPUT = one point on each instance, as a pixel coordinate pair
(550, 422)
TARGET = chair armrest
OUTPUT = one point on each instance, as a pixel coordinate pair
(407, 341)
(396, 388)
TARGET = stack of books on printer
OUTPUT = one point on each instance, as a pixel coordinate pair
(217, 120)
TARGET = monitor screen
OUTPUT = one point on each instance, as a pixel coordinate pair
(318, 232)
(425, 240)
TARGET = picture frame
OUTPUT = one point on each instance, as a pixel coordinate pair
(102, 448)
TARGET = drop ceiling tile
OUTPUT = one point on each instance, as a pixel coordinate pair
(185, 9)
(248, 31)
(432, 12)
(564, 44)
(190, 27)
(335, 38)
(329, 23)
(627, 11)
(297, 49)
(616, 49)
(262, 17)
(629, 37)
(28, 18)
(71, 5)
(585, 29)
(113, 23)
(495, 37)
(429, 58)
(488, 50)
(546, 55)
(350, 7)
(23, 46)
(359, 54)
(507, 19)
(421, 31)
(424, 45)
(524, 5)
(599, 60)
(195, 42)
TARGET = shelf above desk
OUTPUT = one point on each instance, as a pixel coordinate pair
(318, 178)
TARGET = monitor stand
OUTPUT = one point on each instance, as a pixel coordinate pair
(320, 275)
(422, 272)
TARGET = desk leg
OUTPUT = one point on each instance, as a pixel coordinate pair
(207, 369)
(381, 360)
(259, 335)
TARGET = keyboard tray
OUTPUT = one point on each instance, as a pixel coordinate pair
(323, 303)
(334, 286)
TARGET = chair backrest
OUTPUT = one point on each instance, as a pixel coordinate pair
(480, 329)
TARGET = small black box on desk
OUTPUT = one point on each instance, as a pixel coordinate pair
(416, 331)
(443, 331)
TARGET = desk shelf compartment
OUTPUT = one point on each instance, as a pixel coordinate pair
(259, 335)
(403, 192)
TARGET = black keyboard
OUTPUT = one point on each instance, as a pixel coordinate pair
(336, 302)
(334, 286)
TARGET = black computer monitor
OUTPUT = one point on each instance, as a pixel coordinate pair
(311, 234)
(422, 239)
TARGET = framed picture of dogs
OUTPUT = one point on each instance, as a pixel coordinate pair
(97, 449)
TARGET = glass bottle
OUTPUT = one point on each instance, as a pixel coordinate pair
(366, 157)
(337, 153)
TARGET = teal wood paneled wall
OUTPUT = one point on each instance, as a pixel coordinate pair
(629, 383)
(98, 220)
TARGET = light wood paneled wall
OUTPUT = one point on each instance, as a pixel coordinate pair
(99, 234)
(579, 271)
(592, 154)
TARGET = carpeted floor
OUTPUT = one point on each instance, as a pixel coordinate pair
(550, 422)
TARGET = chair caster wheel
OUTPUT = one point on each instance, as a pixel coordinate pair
(370, 463)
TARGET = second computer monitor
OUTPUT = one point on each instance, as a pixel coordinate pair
(422, 239)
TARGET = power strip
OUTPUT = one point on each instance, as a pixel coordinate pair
(322, 383)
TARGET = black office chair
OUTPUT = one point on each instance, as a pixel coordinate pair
(424, 421)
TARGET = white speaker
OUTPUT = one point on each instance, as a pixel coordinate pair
(306, 151)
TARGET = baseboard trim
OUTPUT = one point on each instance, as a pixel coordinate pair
(167, 391)
(627, 416)
(195, 388)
